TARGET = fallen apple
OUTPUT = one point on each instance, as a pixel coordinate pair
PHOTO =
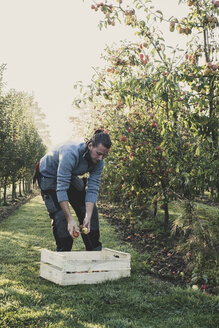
(194, 287)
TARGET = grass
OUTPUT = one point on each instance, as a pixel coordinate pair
(136, 302)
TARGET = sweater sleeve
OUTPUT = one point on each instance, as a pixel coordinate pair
(93, 183)
(67, 161)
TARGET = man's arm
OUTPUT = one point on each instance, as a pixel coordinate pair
(72, 225)
(91, 194)
(87, 219)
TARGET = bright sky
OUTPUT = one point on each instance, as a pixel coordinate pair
(48, 45)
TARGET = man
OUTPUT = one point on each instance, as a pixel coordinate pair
(59, 183)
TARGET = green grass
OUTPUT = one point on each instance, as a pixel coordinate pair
(137, 302)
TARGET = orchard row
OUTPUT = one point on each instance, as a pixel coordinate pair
(20, 143)
(159, 108)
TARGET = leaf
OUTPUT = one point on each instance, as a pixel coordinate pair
(197, 152)
(177, 167)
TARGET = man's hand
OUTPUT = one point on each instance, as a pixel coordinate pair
(72, 227)
(86, 224)
(87, 219)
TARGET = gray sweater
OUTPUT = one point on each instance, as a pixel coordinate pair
(69, 160)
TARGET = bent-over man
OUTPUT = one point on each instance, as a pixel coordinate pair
(60, 185)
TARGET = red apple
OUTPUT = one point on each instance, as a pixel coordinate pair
(124, 138)
(75, 234)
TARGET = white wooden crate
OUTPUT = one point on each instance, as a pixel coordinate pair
(83, 267)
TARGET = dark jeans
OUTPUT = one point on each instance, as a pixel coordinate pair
(76, 196)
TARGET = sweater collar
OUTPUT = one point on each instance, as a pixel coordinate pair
(86, 156)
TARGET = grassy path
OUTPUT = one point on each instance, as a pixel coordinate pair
(26, 300)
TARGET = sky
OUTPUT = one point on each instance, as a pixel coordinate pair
(49, 45)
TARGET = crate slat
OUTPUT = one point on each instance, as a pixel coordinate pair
(92, 265)
(57, 276)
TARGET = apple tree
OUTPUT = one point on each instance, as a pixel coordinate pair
(159, 107)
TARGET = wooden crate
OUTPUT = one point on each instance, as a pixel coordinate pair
(83, 267)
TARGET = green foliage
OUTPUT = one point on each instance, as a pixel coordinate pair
(20, 144)
(199, 232)
(158, 104)
(168, 102)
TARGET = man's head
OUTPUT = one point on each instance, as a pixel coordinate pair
(99, 146)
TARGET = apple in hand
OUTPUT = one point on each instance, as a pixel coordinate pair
(84, 230)
(75, 234)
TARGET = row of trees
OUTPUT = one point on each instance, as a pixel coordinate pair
(21, 145)
(159, 107)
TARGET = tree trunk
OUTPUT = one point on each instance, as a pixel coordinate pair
(24, 186)
(20, 192)
(155, 209)
(29, 186)
(189, 212)
(5, 192)
(13, 190)
(166, 216)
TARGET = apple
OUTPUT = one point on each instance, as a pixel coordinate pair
(75, 234)
(194, 287)
(84, 230)
(124, 138)
(187, 30)
(141, 56)
(171, 29)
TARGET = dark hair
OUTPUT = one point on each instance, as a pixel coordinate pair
(100, 137)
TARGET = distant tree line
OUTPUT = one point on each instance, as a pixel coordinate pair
(21, 143)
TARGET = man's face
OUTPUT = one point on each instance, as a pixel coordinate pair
(97, 153)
